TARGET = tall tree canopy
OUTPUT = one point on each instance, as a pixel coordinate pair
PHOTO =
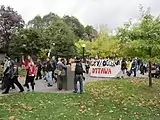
(90, 33)
(75, 26)
(10, 21)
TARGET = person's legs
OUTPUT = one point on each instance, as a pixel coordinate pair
(13, 86)
(32, 83)
(39, 75)
(53, 76)
(134, 72)
(27, 81)
(49, 78)
(80, 79)
(15, 80)
(131, 70)
(8, 84)
(4, 83)
(75, 84)
(25, 84)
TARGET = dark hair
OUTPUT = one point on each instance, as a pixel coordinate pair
(62, 59)
(77, 58)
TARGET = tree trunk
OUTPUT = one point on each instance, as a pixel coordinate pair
(150, 67)
(150, 76)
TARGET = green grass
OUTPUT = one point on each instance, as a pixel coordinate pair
(104, 100)
(22, 72)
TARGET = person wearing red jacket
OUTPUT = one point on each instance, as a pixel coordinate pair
(31, 75)
(26, 65)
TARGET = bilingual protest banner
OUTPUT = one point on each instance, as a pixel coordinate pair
(105, 71)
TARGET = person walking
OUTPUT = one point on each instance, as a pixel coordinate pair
(134, 68)
(13, 78)
(39, 69)
(123, 67)
(31, 75)
(6, 72)
(54, 64)
(26, 65)
(48, 73)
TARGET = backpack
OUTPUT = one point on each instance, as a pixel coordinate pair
(79, 68)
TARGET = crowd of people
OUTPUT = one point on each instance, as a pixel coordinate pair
(51, 71)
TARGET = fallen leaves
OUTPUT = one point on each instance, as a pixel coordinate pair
(12, 118)
(83, 107)
(26, 107)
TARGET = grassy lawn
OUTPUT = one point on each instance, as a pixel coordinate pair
(104, 100)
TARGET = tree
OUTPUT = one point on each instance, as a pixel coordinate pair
(37, 22)
(90, 32)
(26, 41)
(75, 25)
(102, 46)
(10, 21)
(144, 37)
(60, 34)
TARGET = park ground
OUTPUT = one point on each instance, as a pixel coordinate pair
(102, 100)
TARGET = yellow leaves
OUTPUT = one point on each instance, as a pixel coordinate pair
(11, 118)
(26, 107)
(111, 111)
(156, 102)
(13, 110)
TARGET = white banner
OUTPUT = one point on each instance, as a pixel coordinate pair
(103, 72)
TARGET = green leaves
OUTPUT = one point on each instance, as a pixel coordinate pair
(10, 21)
(26, 41)
(142, 36)
(101, 46)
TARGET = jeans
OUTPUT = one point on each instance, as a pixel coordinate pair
(78, 78)
(48, 77)
(133, 71)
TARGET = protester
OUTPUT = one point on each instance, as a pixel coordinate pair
(78, 76)
(123, 67)
(6, 74)
(48, 74)
(54, 64)
(61, 73)
(134, 68)
(26, 65)
(13, 78)
(39, 69)
(31, 75)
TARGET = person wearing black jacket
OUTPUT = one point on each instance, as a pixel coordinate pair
(13, 78)
(48, 76)
(39, 69)
(54, 65)
(78, 76)
(6, 73)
